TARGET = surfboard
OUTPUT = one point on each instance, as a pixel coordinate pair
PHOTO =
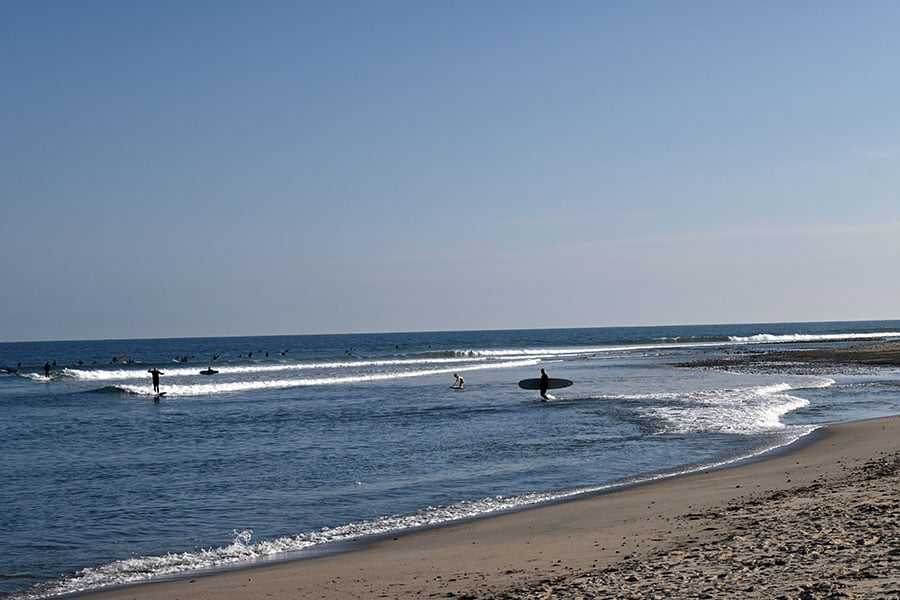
(552, 384)
(208, 372)
(457, 387)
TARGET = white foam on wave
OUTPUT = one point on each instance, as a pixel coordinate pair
(741, 411)
(589, 350)
(223, 387)
(769, 338)
(119, 374)
(460, 357)
(670, 343)
(37, 377)
(242, 552)
(124, 375)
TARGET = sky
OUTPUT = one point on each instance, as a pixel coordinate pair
(212, 168)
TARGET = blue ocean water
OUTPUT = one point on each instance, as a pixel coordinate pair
(299, 443)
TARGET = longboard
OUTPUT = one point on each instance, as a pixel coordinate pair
(552, 384)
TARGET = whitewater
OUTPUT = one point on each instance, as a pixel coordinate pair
(304, 444)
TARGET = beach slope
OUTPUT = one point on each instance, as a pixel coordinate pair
(819, 518)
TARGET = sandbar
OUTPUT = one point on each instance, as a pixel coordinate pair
(881, 354)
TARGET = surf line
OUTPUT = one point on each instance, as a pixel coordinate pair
(204, 389)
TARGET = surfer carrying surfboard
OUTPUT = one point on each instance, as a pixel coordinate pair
(545, 383)
(155, 373)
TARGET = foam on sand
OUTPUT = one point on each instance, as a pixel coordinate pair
(684, 533)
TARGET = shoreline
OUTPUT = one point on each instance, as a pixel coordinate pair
(589, 543)
(878, 354)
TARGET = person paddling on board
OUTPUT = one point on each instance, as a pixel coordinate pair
(545, 383)
(155, 373)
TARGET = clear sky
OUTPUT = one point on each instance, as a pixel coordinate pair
(195, 168)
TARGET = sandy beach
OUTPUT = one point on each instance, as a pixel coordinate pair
(820, 519)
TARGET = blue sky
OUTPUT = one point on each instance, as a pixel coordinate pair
(244, 168)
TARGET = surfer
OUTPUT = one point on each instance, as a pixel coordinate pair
(47, 370)
(460, 382)
(155, 373)
(545, 383)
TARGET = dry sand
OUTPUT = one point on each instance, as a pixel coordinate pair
(820, 520)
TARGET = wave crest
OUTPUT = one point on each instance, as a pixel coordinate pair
(770, 338)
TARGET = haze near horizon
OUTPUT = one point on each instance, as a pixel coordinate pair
(176, 169)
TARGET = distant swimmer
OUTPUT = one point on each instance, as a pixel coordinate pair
(155, 373)
(545, 383)
(47, 369)
(460, 382)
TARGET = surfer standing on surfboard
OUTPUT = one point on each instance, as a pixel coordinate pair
(155, 373)
(545, 383)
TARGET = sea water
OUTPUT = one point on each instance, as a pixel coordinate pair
(304, 444)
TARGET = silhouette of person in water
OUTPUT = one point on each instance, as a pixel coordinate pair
(47, 369)
(545, 383)
(155, 373)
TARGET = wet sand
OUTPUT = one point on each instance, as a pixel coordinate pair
(817, 520)
(883, 354)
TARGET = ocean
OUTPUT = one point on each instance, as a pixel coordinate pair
(299, 445)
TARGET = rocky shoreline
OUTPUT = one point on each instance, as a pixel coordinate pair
(882, 354)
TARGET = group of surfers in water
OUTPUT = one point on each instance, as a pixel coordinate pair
(459, 384)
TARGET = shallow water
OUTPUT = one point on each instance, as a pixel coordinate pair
(329, 438)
